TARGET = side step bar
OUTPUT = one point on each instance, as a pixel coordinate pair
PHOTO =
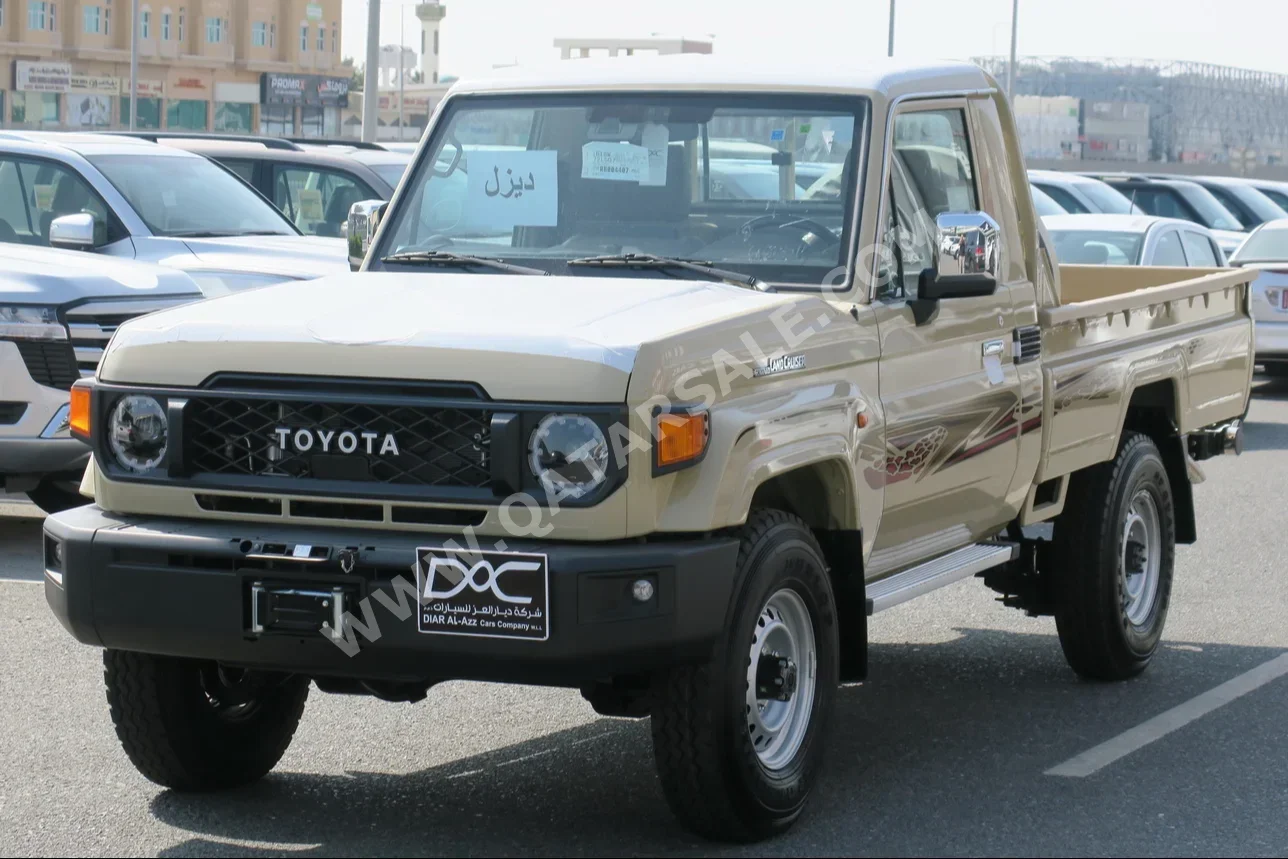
(944, 570)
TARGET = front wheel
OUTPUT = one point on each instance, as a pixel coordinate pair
(200, 726)
(1115, 545)
(739, 739)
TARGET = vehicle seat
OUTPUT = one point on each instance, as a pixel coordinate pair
(1089, 254)
(337, 210)
(69, 198)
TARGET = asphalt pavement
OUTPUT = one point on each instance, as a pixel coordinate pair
(945, 750)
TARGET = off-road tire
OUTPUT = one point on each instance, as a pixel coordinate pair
(1100, 641)
(53, 497)
(176, 738)
(711, 775)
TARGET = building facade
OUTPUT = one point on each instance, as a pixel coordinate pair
(267, 66)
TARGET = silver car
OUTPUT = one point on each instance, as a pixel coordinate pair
(130, 198)
(1267, 251)
(1132, 240)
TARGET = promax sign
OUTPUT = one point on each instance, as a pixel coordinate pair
(304, 89)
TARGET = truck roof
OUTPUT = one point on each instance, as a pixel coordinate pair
(699, 72)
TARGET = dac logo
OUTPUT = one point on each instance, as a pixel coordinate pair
(470, 576)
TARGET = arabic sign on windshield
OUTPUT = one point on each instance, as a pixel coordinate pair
(513, 188)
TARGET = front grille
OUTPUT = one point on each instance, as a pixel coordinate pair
(91, 326)
(50, 362)
(437, 446)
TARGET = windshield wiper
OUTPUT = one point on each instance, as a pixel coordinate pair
(736, 278)
(221, 234)
(462, 260)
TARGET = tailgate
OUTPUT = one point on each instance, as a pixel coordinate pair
(1186, 333)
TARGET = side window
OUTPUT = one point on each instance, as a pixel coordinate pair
(244, 169)
(931, 173)
(16, 223)
(1199, 250)
(1234, 204)
(51, 191)
(1168, 250)
(1067, 201)
(317, 201)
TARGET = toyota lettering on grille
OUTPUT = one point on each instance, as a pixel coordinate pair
(327, 441)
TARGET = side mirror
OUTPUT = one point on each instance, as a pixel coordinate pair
(364, 220)
(76, 232)
(968, 253)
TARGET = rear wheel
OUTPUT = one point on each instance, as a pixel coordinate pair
(198, 726)
(1115, 544)
(739, 739)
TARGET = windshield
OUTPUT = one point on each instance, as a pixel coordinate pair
(1044, 204)
(545, 179)
(1268, 244)
(391, 173)
(1097, 247)
(177, 195)
(1109, 201)
(1214, 215)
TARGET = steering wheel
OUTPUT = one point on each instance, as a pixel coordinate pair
(784, 221)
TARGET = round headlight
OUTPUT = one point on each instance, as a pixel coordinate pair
(138, 432)
(569, 455)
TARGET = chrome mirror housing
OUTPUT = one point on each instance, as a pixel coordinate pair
(73, 232)
(968, 254)
(364, 221)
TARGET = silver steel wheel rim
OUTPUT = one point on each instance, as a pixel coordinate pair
(1141, 558)
(784, 630)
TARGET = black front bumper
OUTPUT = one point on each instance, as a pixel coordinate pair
(180, 588)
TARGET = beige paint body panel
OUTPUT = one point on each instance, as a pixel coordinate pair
(874, 383)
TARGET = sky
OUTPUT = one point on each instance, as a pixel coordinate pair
(477, 35)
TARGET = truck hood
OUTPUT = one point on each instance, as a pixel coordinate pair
(293, 257)
(562, 339)
(40, 275)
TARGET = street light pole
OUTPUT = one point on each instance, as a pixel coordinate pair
(1010, 69)
(371, 74)
(890, 53)
(134, 63)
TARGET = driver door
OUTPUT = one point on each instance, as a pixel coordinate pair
(948, 385)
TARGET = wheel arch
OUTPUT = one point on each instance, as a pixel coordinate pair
(1154, 409)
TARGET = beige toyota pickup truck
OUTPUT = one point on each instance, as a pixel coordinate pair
(657, 379)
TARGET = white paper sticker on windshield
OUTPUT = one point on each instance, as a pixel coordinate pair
(310, 204)
(515, 188)
(620, 162)
(655, 138)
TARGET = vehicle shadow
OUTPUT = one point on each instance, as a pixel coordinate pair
(943, 750)
(1265, 435)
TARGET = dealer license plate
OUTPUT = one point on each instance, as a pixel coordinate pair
(487, 594)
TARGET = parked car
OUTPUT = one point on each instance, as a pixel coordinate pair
(1250, 205)
(313, 184)
(58, 309)
(1266, 251)
(1078, 194)
(1181, 198)
(119, 196)
(1044, 204)
(707, 476)
(1276, 191)
(1132, 240)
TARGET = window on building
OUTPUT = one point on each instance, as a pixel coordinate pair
(335, 37)
(107, 21)
(304, 37)
(186, 114)
(232, 117)
(93, 18)
(435, 43)
(214, 30)
(37, 15)
(259, 34)
(145, 23)
(272, 35)
(181, 25)
(277, 119)
(35, 109)
(165, 25)
(53, 11)
(321, 38)
(149, 113)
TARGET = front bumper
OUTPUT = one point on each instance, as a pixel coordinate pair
(180, 588)
(38, 443)
(1272, 340)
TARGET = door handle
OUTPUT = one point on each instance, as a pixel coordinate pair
(994, 347)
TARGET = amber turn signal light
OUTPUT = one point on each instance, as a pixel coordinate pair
(79, 418)
(681, 439)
